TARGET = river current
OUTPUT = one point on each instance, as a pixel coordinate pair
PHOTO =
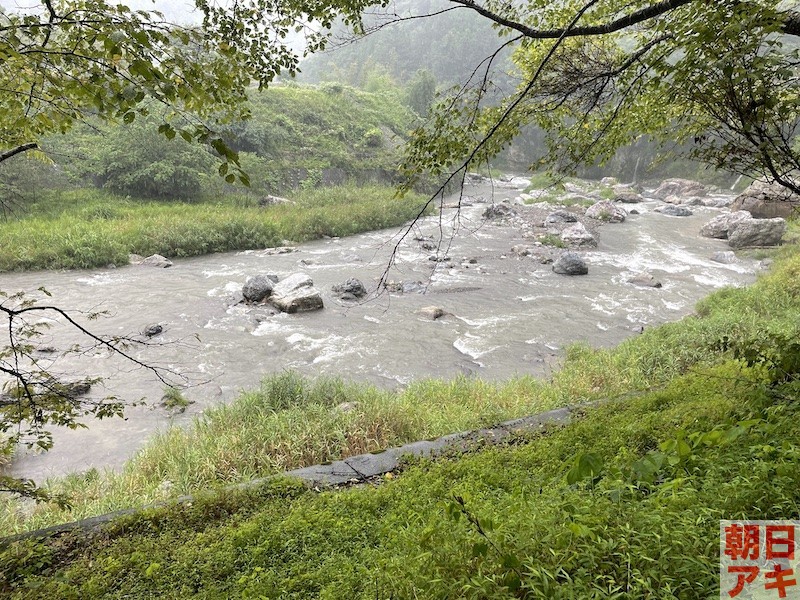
(510, 315)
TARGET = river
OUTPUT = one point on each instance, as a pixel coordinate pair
(510, 315)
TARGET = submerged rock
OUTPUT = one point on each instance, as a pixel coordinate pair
(433, 312)
(153, 330)
(352, 289)
(724, 257)
(295, 294)
(645, 280)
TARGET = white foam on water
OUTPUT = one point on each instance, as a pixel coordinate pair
(272, 326)
(372, 319)
(601, 326)
(223, 271)
(488, 321)
(706, 278)
(100, 279)
(473, 346)
(673, 305)
(232, 287)
(605, 304)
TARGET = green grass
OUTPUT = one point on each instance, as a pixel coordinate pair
(513, 521)
(553, 240)
(90, 228)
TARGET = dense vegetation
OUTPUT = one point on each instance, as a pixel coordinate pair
(623, 502)
(127, 189)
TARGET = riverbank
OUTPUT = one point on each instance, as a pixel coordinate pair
(84, 229)
(291, 421)
(625, 500)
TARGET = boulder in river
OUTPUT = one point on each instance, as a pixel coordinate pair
(606, 211)
(673, 211)
(570, 263)
(577, 235)
(757, 232)
(499, 211)
(257, 288)
(560, 216)
(352, 289)
(679, 187)
(767, 201)
(154, 260)
(295, 294)
(644, 280)
(719, 226)
(153, 330)
(626, 195)
(433, 312)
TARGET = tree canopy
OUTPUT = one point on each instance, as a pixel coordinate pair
(597, 75)
(63, 60)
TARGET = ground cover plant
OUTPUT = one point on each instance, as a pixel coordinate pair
(625, 502)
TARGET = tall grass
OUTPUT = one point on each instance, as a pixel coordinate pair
(89, 228)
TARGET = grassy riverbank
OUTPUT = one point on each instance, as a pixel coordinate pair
(623, 503)
(82, 229)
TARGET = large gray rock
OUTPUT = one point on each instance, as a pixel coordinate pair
(295, 294)
(626, 195)
(718, 226)
(674, 211)
(679, 187)
(684, 200)
(570, 263)
(560, 216)
(352, 289)
(155, 260)
(577, 235)
(606, 211)
(499, 211)
(767, 201)
(257, 288)
(757, 232)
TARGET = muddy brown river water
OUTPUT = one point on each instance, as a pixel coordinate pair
(510, 315)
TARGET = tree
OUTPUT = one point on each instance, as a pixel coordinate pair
(63, 61)
(719, 78)
(421, 91)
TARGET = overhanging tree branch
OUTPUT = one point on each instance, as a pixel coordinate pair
(791, 24)
(18, 150)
